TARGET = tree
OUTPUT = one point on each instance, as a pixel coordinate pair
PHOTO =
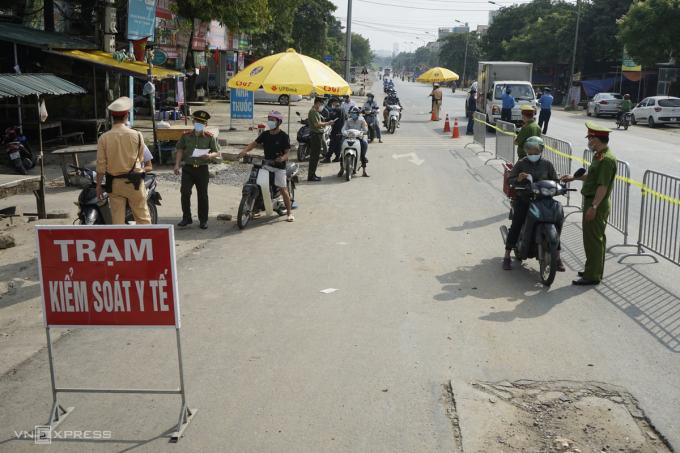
(311, 26)
(650, 31)
(361, 51)
(599, 31)
(452, 54)
(277, 35)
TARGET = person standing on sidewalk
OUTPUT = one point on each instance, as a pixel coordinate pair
(545, 102)
(508, 103)
(530, 129)
(120, 156)
(193, 154)
(597, 188)
(316, 126)
(471, 108)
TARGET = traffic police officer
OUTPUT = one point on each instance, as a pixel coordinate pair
(194, 151)
(120, 156)
(530, 129)
(597, 187)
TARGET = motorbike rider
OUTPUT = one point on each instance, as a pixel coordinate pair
(276, 144)
(540, 170)
(625, 107)
(356, 121)
(391, 99)
(372, 106)
(347, 105)
(335, 114)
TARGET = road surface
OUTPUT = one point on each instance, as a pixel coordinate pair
(414, 251)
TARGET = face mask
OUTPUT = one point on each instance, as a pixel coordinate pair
(272, 124)
(533, 157)
(355, 116)
(199, 127)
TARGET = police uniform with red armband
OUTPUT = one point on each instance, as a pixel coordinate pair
(598, 183)
(194, 151)
(120, 156)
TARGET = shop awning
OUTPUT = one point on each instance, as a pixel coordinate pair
(20, 85)
(43, 39)
(135, 69)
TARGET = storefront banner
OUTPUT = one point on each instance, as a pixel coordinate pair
(141, 19)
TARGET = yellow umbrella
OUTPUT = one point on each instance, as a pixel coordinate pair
(438, 75)
(290, 73)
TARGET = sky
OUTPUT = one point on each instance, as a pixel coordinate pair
(412, 23)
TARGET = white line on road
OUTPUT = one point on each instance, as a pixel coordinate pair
(413, 158)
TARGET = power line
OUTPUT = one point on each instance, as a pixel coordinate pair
(425, 9)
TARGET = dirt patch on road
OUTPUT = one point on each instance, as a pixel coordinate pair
(559, 416)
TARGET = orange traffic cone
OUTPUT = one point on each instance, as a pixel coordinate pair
(447, 125)
(456, 133)
(432, 117)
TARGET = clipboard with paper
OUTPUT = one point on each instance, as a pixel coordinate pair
(200, 152)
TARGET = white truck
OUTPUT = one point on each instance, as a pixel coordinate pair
(494, 78)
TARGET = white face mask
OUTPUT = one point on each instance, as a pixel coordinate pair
(199, 127)
(272, 124)
(534, 157)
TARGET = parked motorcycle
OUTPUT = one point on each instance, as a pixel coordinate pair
(18, 152)
(350, 152)
(623, 120)
(370, 116)
(93, 211)
(393, 118)
(540, 234)
(259, 192)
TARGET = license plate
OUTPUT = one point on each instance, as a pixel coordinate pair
(14, 155)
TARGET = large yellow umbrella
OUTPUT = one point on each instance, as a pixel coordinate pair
(290, 73)
(437, 75)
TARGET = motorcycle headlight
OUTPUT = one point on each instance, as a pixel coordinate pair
(351, 135)
(548, 191)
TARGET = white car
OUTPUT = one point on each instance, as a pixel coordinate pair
(657, 110)
(283, 99)
(604, 104)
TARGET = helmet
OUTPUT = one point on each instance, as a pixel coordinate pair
(275, 115)
(354, 110)
(334, 99)
(534, 142)
(626, 96)
(369, 95)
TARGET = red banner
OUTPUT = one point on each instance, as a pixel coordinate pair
(108, 276)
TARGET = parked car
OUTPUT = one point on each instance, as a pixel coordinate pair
(604, 104)
(283, 99)
(657, 110)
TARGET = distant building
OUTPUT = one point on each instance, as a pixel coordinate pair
(461, 29)
(443, 32)
(482, 29)
(395, 49)
(492, 15)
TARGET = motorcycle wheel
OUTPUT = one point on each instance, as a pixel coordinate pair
(153, 212)
(245, 211)
(547, 260)
(393, 127)
(301, 152)
(349, 167)
(625, 126)
(19, 166)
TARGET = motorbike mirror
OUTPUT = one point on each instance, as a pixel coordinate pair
(297, 113)
(530, 179)
(580, 172)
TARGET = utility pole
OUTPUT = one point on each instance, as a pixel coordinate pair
(348, 43)
(467, 40)
(573, 55)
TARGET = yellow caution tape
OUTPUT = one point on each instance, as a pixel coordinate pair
(646, 190)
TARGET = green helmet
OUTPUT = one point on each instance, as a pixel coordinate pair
(534, 142)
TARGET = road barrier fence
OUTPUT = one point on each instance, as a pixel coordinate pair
(479, 129)
(561, 159)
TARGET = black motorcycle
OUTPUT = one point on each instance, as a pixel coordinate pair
(304, 135)
(623, 120)
(19, 154)
(540, 234)
(261, 183)
(93, 211)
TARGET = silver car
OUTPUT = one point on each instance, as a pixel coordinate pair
(604, 104)
(282, 99)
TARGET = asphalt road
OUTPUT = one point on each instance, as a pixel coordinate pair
(274, 365)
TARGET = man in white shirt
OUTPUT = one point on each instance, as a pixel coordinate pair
(357, 122)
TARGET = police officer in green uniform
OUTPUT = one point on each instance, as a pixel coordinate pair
(597, 188)
(529, 129)
(194, 151)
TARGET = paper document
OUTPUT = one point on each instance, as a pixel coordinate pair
(198, 152)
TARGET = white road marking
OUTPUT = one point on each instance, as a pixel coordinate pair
(329, 290)
(413, 158)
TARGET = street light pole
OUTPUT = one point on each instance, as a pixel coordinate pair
(573, 55)
(467, 40)
(348, 43)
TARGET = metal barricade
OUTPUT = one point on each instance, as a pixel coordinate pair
(559, 153)
(479, 129)
(619, 199)
(505, 142)
(659, 217)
